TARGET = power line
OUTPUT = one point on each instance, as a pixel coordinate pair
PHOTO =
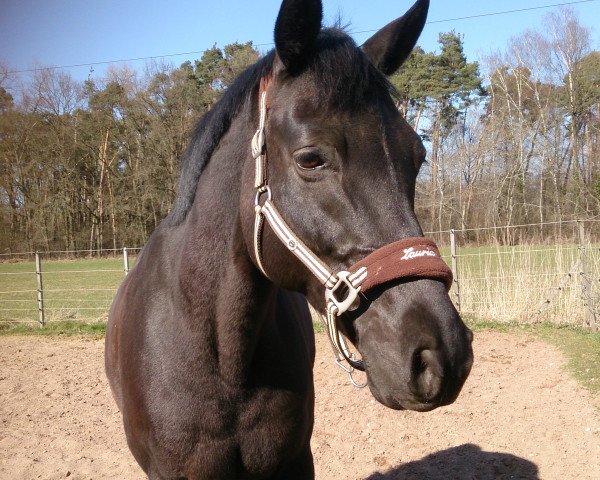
(107, 62)
(504, 12)
(196, 52)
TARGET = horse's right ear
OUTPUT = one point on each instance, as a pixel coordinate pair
(296, 30)
(390, 46)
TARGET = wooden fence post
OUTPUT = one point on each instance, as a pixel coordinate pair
(126, 260)
(586, 281)
(455, 281)
(40, 289)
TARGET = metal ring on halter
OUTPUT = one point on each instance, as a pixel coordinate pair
(350, 358)
(350, 370)
(262, 190)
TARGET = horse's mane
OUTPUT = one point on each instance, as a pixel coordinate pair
(209, 130)
(343, 76)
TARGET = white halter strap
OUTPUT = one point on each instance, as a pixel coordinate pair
(341, 289)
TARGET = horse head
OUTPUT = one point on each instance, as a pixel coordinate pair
(342, 168)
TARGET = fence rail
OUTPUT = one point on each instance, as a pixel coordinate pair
(46, 289)
(558, 282)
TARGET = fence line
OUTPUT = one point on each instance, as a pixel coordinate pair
(559, 282)
(520, 283)
(53, 296)
(81, 271)
(483, 254)
(82, 289)
(18, 291)
(71, 252)
(114, 251)
(16, 273)
(504, 227)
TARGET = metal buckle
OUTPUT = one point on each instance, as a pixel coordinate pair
(351, 300)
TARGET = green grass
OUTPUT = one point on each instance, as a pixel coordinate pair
(318, 326)
(582, 349)
(79, 290)
(499, 283)
(56, 329)
(580, 346)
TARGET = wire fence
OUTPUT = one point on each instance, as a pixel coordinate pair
(509, 277)
(554, 278)
(61, 285)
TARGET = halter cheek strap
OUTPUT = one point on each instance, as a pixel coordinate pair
(407, 259)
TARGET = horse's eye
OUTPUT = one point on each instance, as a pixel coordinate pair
(309, 160)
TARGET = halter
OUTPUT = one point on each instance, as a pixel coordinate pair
(410, 258)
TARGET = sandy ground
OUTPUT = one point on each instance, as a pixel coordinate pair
(520, 416)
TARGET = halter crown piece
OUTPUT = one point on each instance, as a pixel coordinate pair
(410, 258)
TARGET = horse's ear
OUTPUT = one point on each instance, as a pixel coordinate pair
(296, 29)
(391, 45)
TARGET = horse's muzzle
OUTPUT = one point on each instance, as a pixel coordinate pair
(417, 357)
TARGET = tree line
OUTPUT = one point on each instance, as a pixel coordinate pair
(95, 164)
(511, 140)
(517, 145)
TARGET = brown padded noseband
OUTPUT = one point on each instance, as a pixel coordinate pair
(409, 258)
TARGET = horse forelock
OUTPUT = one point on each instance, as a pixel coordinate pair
(343, 74)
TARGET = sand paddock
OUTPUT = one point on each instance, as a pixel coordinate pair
(520, 416)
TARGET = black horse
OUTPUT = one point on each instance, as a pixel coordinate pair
(209, 345)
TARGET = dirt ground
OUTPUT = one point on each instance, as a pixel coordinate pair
(520, 416)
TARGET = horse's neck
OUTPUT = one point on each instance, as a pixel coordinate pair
(228, 297)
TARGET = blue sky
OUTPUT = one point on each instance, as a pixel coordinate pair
(64, 32)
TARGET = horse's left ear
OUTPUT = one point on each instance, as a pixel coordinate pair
(296, 30)
(391, 45)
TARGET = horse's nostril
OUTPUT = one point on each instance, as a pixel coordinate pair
(427, 375)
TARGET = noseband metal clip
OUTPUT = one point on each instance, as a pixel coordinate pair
(348, 286)
(350, 371)
(259, 193)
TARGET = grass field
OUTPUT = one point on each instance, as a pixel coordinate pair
(527, 284)
(73, 289)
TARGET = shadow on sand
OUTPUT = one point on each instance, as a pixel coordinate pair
(466, 462)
